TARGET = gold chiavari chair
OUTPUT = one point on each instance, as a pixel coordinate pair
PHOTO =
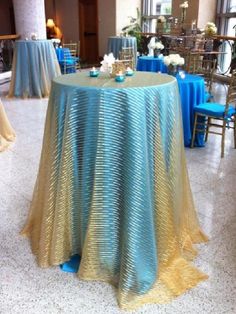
(224, 114)
(71, 62)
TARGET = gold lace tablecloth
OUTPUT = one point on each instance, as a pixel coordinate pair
(7, 134)
(113, 187)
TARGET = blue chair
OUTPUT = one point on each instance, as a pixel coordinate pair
(224, 113)
(68, 58)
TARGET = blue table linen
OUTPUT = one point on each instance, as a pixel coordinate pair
(34, 66)
(192, 93)
(151, 64)
(115, 44)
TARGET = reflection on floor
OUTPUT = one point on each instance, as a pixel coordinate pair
(25, 288)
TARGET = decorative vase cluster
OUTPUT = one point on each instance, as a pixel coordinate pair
(157, 47)
(107, 62)
(183, 6)
(160, 25)
(173, 62)
(210, 29)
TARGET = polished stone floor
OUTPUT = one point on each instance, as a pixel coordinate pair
(26, 288)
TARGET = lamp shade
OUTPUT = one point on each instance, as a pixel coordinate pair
(50, 23)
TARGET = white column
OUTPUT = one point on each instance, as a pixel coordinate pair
(30, 18)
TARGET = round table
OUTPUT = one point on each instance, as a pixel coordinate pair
(34, 66)
(116, 43)
(151, 64)
(113, 186)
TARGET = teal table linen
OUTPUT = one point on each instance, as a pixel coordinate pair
(151, 64)
(113, 187)
(34, 66)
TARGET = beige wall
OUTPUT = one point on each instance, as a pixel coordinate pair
(192, 11)
(67, 13)
(125, 9)
(206, 12)
(113, 15)
(106, 23)
(202, 11)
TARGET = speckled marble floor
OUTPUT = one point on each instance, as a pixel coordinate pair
(25, 288)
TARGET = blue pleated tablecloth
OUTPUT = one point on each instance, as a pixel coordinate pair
(34, 66)
(113, 188)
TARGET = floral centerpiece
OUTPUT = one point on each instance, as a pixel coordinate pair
(173, 62)
(107, 62)
(210, 29)
(183, 6)
(157, 47)
(161, 21)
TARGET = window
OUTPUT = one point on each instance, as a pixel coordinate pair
(226, 23)
(151, 9)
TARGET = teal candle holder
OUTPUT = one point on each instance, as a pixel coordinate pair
(119, 78)
(93, 73)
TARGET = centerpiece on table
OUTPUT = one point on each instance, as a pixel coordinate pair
(107, 63)
(210, 29)
(183, 6)
(174, 63)
(157, 47)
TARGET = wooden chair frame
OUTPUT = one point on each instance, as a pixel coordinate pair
(74, 49)
(224, 122)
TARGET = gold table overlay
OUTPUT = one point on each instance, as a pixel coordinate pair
(7, 134)
(113, 187)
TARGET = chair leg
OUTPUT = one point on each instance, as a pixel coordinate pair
(223, 139)
(234, 131)
(194, 130)
(207, 128)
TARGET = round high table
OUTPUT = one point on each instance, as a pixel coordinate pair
(116, 43)
(151, 64)
(34, 66)
(113, 187)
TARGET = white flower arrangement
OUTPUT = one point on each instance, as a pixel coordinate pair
(210, 29)
(184, 5)
(161, 19)
(157, 45)
(34, 36)
(106, 64)
(173, 60)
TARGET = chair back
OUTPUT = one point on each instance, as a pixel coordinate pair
(127, 55)
(231, 95)
(203, 67)
(71, 52)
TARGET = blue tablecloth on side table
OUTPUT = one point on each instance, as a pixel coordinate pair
(192, 93)
(151, 64)
(34, 66)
